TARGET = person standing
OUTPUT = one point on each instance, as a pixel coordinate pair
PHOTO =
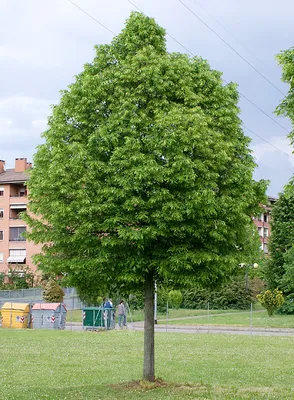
(121, 312)
(108, 314)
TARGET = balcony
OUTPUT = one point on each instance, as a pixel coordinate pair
(18, 191)
(16, 210)
(17, 201)
(22, 194)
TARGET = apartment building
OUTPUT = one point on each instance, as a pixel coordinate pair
(262, 223)
(14, 249)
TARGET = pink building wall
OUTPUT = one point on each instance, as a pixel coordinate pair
(13, 199)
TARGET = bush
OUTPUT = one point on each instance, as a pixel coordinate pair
(229, 296)
(175, 298)
(17, 277)
(271, 300)
(136, 301)
(53, 293)
(288, 306)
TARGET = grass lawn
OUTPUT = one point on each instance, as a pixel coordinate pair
(259, 320)
(38, 364)
(138, 315)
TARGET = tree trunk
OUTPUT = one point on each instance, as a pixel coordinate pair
(148, 367)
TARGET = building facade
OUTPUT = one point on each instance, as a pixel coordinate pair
(262, 223)
(14, 249)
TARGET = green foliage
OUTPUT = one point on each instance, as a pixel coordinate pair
(271, 300)
(232, 295)
(2, 280)
(288, 306)
(281, 242)
(280, 269)
(175, 298)
(17, 277)
(162, 298)
(136, 300)
(286, 107)
(52, 292)
(144, 168)
(145, 173)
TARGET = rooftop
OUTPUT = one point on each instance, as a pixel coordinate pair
(10, 176)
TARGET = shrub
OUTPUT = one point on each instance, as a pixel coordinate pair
(53, 293)
(175, 298)
(232, 295)
(288, 306)
(136, 300)
(17, 277)
(271, 300)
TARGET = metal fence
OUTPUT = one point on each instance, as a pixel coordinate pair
(34, 295)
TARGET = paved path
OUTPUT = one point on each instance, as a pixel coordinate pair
(212, 314)
(193, 329)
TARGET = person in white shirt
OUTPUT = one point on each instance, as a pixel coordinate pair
(121, 312)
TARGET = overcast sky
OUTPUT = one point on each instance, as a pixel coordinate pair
(44, 43)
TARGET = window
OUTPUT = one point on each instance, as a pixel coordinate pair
(265, 232)
(1, 235)
(1, 257)
(1, 213)
(260, 230)
(260, 218)
(17, 252)
(16, 233)
(265, 249)
(17, 256)
(1, 191)
(265, 218)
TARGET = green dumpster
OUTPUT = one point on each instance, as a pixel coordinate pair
(98, 318)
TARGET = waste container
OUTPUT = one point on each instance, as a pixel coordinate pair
(48, 316)
(98, 318)
(15, 315)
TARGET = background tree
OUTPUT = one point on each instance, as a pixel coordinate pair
(145, 173)
(279, 272)
(52, 292)
(286, 107)
(281, 240)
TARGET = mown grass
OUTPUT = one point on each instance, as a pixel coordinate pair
(260, 318)
(138, 315)
(52, 365)
(243, 319)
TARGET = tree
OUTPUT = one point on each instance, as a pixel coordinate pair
(145, 173)
(52, 292)
(279, 271)
(286, 107)
(271, 300)
(281, 240)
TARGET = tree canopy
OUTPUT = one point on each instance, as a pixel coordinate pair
(145, 173)
(286, 107)
(282, 237)
(280, 271)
